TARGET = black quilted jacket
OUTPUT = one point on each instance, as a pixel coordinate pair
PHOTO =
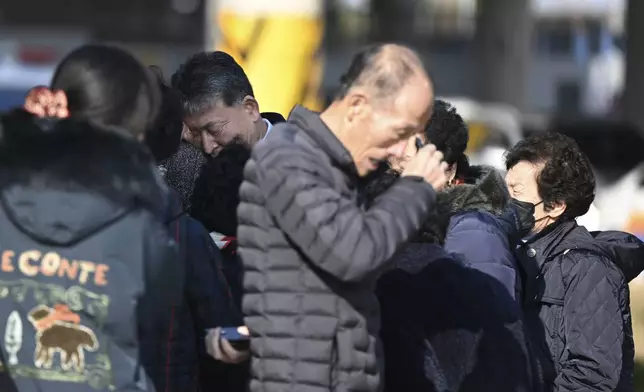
(311, 255)
(576, 303)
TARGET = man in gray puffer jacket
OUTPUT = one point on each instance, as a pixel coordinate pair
(310, 248)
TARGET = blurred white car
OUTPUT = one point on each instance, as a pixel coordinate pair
(622, 203)
(604, 82)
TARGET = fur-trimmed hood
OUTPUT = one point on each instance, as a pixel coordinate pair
(484, 190)
(62, 185)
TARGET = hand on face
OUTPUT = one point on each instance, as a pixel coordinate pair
(428, 164)
(411, 149)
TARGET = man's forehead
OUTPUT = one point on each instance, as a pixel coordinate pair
(401, 115)
(411, 116)
(415, 98)
(214, 114)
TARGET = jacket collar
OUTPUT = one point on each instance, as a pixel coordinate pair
(549, 242)
(271, 119)
(311, 123)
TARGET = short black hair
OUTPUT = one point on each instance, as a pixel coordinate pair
(211, 77)
(215, 196)
(566, 177)
(385, 67)
(447, 130)
(164, 137)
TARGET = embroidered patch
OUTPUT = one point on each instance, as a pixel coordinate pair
(51, 341)
(58, 330)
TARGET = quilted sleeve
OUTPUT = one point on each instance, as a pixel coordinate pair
(593, 325)
(326, 224)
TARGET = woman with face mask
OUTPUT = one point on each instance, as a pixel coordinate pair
(449, 318)
(575, 294)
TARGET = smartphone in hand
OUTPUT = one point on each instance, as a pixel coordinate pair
(238, 337)
(234, 334)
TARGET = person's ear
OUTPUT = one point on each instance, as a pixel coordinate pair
(188, 136)
(451, 172)
(251, 107)
(358, 106)
(556, 211)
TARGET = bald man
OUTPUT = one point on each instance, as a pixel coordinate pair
(311, 250)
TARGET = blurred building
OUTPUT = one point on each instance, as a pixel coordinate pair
(565, 37)
(162, 32)
(159, 21)
(511, 60)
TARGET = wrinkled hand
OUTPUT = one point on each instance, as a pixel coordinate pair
(429, 165)
(221, 349)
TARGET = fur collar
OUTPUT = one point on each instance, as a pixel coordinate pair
(484, 190)
(72, 156)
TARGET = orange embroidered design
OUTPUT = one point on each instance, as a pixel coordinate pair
(58, 330)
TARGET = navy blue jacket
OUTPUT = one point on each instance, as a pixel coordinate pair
(576, 305)
(176, 361)
(478, 240)
(448, 327)
(465, 222)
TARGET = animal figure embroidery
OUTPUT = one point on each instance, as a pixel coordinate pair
(58, 329)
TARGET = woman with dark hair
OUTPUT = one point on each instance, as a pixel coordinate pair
(483, 190)
(449, 318)
(107, 85)
(85, 248)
